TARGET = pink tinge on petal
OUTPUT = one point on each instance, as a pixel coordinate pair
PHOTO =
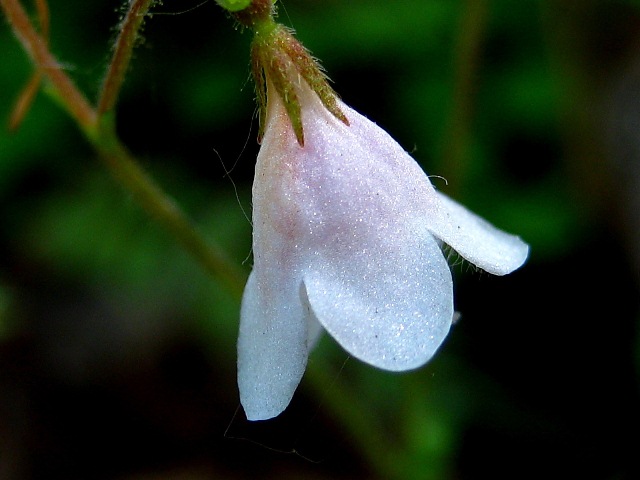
(345, 238)
(381, 288)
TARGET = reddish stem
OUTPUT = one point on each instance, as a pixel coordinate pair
(36, 47)
(122, 54)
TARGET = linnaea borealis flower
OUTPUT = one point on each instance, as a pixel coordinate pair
(348, 237)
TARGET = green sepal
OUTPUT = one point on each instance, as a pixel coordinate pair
(278, 58)
(312, 72)
(261, 89)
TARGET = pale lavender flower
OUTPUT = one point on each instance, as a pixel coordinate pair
(348, 236)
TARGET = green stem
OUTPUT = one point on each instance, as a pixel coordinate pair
(122, 53)
(126, 170)
(162, 208)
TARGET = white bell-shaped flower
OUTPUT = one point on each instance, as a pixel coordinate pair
(347, 238)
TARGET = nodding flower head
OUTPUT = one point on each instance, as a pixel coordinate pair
(348, 237)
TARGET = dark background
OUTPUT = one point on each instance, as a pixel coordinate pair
(117, 351)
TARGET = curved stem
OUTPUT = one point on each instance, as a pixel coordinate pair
(101, 134)
(99, 128)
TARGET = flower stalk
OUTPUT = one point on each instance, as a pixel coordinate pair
(122, 52)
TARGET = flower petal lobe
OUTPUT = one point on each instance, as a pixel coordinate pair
(475, 239)
(391, 308)
(272, 348)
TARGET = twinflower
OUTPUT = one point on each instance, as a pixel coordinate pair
(348, 238)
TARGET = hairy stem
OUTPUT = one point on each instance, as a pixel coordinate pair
(122, 52)
(98, 126)
(101, 134)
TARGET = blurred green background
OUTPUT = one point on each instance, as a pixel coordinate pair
(117, 351)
